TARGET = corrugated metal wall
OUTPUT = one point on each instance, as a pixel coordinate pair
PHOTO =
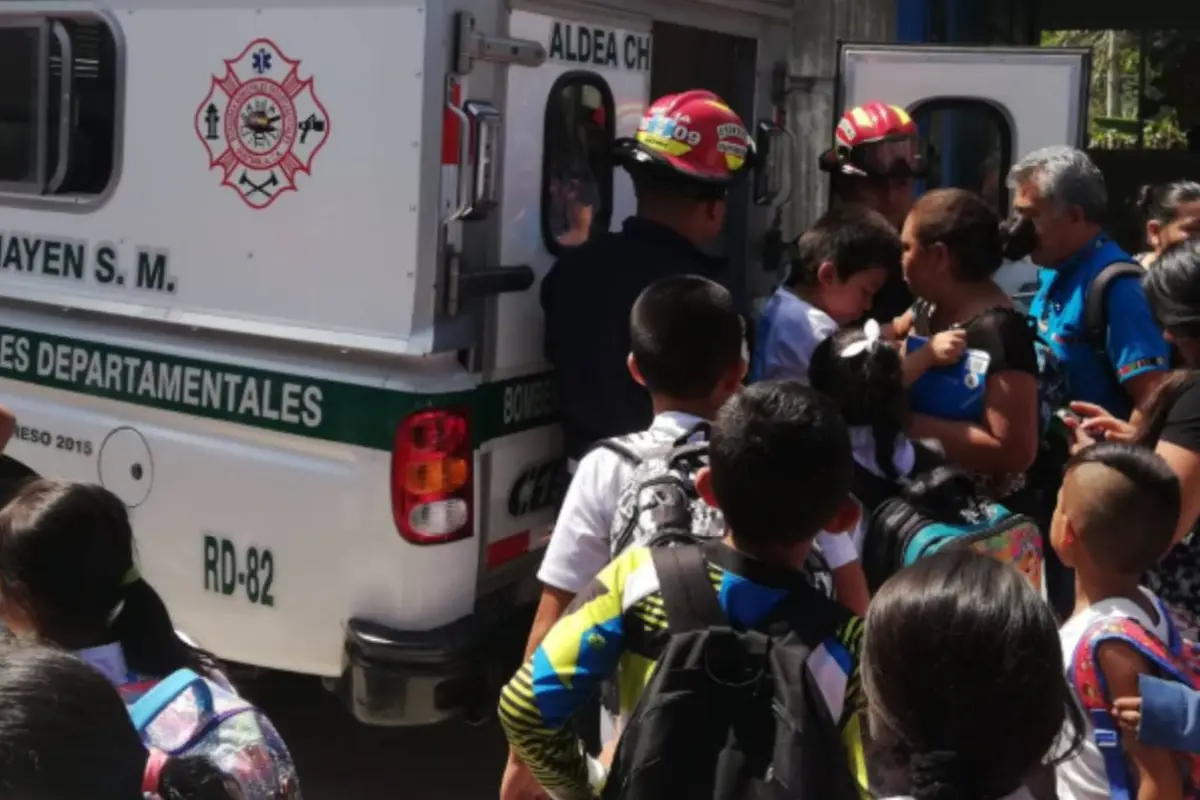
(819, 26)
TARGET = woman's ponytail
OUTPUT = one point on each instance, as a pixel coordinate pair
(190, 778)
(1146, 202)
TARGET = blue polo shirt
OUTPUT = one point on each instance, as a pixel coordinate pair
(1134, 343)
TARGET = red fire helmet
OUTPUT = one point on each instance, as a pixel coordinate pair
(877, 140)
(695, 135)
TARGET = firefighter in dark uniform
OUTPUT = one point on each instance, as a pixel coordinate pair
(688, 150)
(876, 158)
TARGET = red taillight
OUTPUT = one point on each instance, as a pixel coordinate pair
(431, 476)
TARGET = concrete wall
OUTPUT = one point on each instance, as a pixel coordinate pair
(819, 26)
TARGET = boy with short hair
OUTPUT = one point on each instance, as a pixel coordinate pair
(1117, 512)
(686, 338)
(686, 341)
(780, 470)
(837, 267)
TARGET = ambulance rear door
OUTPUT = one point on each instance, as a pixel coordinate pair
(559, 190)
(981, 109)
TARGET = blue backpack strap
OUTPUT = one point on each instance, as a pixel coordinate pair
(168, 690)
(1105, 732)
(1108, 742)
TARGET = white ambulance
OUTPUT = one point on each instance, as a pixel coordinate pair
(269, 271)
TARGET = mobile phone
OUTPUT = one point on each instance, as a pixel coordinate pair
(1067, 415)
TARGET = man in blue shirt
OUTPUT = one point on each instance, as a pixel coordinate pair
(1062, 193)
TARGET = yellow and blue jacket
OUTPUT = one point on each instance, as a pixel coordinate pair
(617, 628)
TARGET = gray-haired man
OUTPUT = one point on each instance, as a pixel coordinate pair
(1113, 356)
(1062, 194)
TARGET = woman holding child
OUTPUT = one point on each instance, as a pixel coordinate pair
(982, 409)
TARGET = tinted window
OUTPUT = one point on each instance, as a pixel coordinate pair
(971, 147)
(577, 169)
(60, 138)
(19, 54)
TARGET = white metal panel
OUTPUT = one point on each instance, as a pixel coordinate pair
(335, 260)
(1042, 91)
(321, 507)
(519, 326)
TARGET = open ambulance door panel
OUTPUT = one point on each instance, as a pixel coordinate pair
(980, 108)
(560, 186)
(559, 190)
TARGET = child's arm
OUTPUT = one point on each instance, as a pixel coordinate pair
(1158, 773)
(942, 350)
(1165, 715)
(899, 328)
(850, 585)
(849, 580)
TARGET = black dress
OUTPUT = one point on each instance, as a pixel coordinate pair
(1007, 336)
(1177, 579)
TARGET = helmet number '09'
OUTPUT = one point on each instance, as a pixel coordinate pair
(671, 128)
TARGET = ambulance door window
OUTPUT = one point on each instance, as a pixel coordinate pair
(577, 168)
(59, 117)
(19, 51)
(970, 147)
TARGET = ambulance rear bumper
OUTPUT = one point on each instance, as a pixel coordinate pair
(408, 678)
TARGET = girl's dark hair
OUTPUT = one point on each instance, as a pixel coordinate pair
(962, 670)
(1160, 202)
(868, 388)
(1158, 407)
(1172, 288)
(67, 561)
(966, 225)
(65, 734)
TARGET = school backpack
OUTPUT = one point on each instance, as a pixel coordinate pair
(659, 502)
(186, 714)
(1176, 659)
(729, 714)
(938, 509)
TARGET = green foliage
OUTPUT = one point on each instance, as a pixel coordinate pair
(1136, 106)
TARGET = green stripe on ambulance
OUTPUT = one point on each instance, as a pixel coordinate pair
(365, 416)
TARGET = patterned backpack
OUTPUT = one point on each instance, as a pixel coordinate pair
(934, 511)
(186, 714)
(1177, 659)
(659, 503)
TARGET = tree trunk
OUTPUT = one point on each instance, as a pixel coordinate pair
(1113, 100)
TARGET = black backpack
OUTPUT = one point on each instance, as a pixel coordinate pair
(728, 714)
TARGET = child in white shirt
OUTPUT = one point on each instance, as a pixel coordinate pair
(687, 348)
(1116, 516)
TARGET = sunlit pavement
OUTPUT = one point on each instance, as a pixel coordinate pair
(340, 759)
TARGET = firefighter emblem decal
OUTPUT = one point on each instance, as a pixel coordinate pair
(261, 124)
